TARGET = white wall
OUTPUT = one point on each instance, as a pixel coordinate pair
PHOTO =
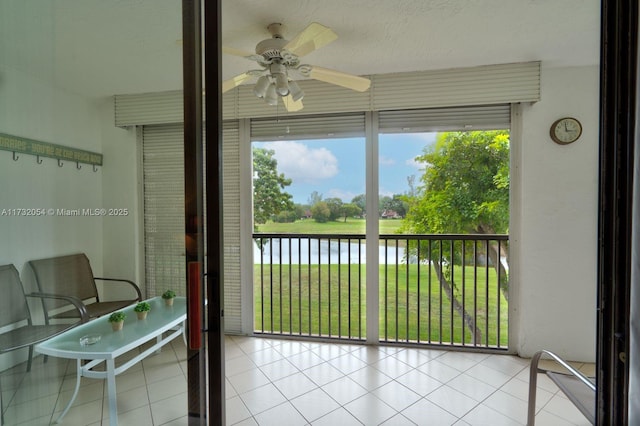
(557, 220)
(31, 108)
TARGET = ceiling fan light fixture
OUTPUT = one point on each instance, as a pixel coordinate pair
(271, 97)
(282, 85)
(260, 89)
(296, 92)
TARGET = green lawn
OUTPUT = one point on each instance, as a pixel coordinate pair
(296, 300)
(324, 301)
(310, 226)
(417, 308)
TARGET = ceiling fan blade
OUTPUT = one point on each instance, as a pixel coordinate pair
(350, 81)
(235, 52)
(235, 81)
(242, 53)
(291, 105)
(311, 38)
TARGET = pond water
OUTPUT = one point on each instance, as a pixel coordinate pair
(305, 251)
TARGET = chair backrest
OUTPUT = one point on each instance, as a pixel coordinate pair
(65, 275)
(13, 304)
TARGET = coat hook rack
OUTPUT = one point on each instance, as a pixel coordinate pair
(20, 146)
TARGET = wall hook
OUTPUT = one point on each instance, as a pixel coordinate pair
(78, 166)
(38, 160)
(95, 168)
(60, 163)
(15, 156)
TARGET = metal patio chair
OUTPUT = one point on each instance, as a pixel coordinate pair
(15, 319)
(71, 276)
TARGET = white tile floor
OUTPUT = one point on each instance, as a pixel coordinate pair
(284, 382)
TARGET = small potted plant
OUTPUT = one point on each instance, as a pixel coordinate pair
(142, 309)
(168, 297)
(117, 320)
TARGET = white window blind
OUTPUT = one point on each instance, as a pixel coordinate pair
(231, 228)
(164, 208)
(163, 164)
(468, 118)
(308, 127)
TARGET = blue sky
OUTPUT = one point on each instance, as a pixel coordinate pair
(336, 167)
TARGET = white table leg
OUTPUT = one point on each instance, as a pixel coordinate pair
(111, 387)
(75, 391)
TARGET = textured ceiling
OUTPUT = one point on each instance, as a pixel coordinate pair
(105, 47)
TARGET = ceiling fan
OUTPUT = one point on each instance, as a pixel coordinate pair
(280, 62)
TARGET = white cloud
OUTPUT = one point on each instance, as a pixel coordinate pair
(386, 161)
(345, 196)
(413, 163)
(303, 164)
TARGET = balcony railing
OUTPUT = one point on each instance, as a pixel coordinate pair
(433, 289)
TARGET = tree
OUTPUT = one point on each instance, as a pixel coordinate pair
(399, 204)
(320, 212)
(464, 189)
(269, 197)
(383, 203)
(335, 207)
(360, 201)
(314, 198)
(411, 183)
(396, 203)
(465, 186)
(350, 210)
(300, 210)
(288, 216)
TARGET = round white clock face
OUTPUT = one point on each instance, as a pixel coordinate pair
(565, 130)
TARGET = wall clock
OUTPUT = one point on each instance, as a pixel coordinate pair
(565, 130)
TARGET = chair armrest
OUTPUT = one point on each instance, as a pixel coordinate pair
(77, 303)
(533, 379)
(123, 281)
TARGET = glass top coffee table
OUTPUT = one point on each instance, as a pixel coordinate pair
(97, 342)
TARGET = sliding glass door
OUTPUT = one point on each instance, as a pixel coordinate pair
(73, 166)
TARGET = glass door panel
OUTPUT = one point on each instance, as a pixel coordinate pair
(74, 183)
(309, 242)
(444, 215)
